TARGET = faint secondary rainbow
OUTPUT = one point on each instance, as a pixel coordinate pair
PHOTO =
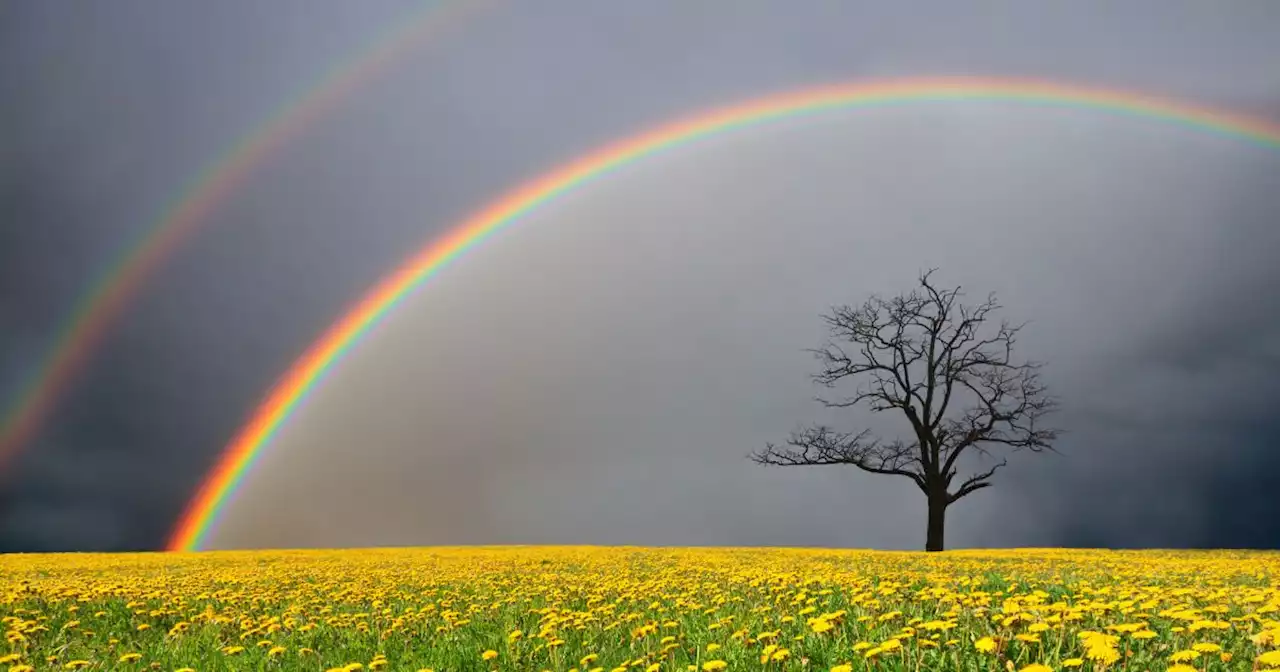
(94, 311)
(202, 512)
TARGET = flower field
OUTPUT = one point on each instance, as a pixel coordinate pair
(615, 609)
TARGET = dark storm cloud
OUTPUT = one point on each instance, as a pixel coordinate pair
(111, 126)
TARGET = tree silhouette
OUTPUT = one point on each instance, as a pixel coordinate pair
(934, 360)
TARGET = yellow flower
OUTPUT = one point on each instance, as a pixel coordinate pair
(653, 668)
(1179, 667)
(129, 657)
(713, 647)
(1073, 662)
(275, 651)
(1271, 658)
(1184, 656)
(76, 664)
(491, 654)
(1036, 667)
(714, 665)
(842, 668)
(586, 660)
(985, 645)
(11, 658)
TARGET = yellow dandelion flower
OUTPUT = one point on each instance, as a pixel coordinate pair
(491, 654)
(76, 664)
(842, 668)
(1184, 656)
(1270, 658)
(586, 660)
(653, 668)
(10, 658)
(985, 645)
(129, 657)
(713, 647)
(714, 665)
(1036, 667)
(1180, 667)
(1073, 662)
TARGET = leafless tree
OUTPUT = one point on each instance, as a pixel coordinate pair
(950, 374)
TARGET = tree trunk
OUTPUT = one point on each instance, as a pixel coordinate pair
(937, 521)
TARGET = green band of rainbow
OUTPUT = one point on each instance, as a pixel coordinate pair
(98, 307)
(202, 513)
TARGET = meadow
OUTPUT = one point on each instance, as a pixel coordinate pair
(615, 609)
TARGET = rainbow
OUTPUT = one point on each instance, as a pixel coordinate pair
(202, 512)
(94, 311)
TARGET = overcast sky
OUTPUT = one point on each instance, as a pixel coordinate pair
(597, 373)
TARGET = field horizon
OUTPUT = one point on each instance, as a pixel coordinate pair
(595, 608)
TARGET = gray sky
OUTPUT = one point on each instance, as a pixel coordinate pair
(597, 373)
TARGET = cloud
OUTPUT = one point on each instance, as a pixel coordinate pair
(608, 352)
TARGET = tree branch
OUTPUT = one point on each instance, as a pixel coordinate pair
(820, 445)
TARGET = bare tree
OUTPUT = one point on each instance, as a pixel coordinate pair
(935, 361)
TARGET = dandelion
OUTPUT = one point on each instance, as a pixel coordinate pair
(985, 645)
(129, 657)
(714, 666)
(491, 654)
(1270, 658)
(76, 664)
